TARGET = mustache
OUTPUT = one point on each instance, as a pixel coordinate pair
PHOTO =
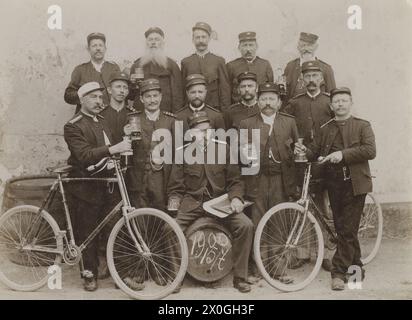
(311, 83)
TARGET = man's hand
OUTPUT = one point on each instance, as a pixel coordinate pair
(124, 146)
(299, 148)
(127, 129)
(334, 157)
(237, 205)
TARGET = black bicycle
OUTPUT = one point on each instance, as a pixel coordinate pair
(147, 252)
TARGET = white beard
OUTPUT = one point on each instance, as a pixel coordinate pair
(156, 56)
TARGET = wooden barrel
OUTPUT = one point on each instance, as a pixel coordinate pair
(210, 250)
(32, 190)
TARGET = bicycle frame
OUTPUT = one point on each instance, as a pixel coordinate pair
(124, 205)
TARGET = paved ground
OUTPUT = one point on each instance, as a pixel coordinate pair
(389, 276)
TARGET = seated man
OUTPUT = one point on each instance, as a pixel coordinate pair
(89, 140)
(200, 182)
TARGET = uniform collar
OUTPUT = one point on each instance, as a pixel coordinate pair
(197, 109)
(93, 117)
(251, 61)
(152, 116)
(249, 105)
(202, 55)
(314, 96)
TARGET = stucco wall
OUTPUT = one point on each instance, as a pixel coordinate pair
(36, 63)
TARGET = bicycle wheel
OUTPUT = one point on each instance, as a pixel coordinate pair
(277, 247)
(152, 275)
(21, 228)
(370, 229)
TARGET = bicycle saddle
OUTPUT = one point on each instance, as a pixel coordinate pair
(61, 169)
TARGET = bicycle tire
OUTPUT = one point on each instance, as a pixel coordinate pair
(257, 252)
(115, 240)
(20, 259)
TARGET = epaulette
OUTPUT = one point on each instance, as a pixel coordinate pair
(299, 95)
(135, 112)
(326, 123)
(181, 109)
(100, 116)
(212, 108)
(76, 118)
(112, 62)
(326, 93)
(130, 108)
(323, 62)
(360, 119)
(169, 114)
(219, 141)
(286, 114)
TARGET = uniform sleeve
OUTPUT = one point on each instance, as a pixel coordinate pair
(176, 184)
(313, 149)
(133, 91)
(184, 75)
(289, 109)
(234, 184)
(224, 85)
(81, 149)
(220, 122)
(70, 94)
(177, 87)
(363, 149)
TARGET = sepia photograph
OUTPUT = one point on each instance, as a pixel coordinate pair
(206, 150)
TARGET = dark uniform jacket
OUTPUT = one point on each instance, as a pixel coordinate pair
(143, 148)
(214, 69)
(189, 181)
(359, 147)
(238, 112)
(170, 81)
(293, 72)
(86, 143)
(310, 113)
(259, 66)
(215, 116)
(116, 120)
(286, 134)
(87, 73)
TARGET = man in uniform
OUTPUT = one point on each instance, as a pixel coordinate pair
(345, 144)
(211, 66)
(96, 70)
(89, 140)
(156, 65)
(196, 93)
(247, 106)
(275, 182)
(248, 61)
(307, 46)
(200, 182)
(148, 189)
(311, 110)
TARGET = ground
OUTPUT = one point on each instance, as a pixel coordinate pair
(389, 276)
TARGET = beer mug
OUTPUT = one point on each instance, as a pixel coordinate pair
(173, 204)
(137, 76)
(301, 156)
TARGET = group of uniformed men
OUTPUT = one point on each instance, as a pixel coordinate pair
(208, 93)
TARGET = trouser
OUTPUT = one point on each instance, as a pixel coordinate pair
(347, 210)
(270, 193)
(241, 229)
(153, 194)
(87, 217)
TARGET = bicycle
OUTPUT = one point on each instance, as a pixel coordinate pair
(289, 231)
(145, 245)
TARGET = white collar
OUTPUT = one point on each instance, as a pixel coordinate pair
(97, 66)
(251, 61)
(94, 117)
(120, 109)
(197, 109)
(202, 55)
(268, 119)
(314, 96)
(249, 105)
(152, 116)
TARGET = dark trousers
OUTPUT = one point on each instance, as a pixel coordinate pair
(347, 210)
(87, 216)
(241, 229)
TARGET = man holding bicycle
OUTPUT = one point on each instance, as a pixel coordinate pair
(89, 141)
(345, 144)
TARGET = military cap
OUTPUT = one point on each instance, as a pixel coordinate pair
(119, 76)
(340, 90)
(96, 35)
(247, 75)
(311, 66)
(308, 37)
(88, 87)
(150, 84)
(269, 87)
(248, 35)
(198, 117)
(154, 30)
(195, 78)
(203, 26)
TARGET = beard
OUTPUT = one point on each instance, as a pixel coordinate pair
(155, 56)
